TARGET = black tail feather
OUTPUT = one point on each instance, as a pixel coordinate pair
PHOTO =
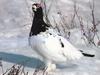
(87, 55)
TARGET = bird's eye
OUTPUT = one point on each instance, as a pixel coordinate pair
(34, 8)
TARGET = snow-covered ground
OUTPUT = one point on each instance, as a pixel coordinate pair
(15, 22)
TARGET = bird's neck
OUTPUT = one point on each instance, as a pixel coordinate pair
(38, 15)
(38, 24)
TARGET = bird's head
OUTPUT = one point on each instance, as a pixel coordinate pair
(36, 7)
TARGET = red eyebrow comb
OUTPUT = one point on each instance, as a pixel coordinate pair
(37, 4)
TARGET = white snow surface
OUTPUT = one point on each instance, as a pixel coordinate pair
(15, 22)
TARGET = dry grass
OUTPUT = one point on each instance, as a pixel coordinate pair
(19, 69)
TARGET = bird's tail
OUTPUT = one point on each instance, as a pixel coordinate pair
(86, 54)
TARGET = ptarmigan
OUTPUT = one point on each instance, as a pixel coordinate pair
(48, 44)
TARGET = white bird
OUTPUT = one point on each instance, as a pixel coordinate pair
(52, 47)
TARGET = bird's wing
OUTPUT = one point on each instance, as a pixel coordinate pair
(48, 47)
(69, 50)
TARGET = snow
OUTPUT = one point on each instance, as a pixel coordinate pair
(14, 47)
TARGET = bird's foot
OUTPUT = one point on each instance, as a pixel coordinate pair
(49, 69)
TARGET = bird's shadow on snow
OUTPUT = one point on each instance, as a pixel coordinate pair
(21, 59)
(30, 62)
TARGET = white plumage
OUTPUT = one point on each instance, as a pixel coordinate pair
(52, 47)
(48, 45)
